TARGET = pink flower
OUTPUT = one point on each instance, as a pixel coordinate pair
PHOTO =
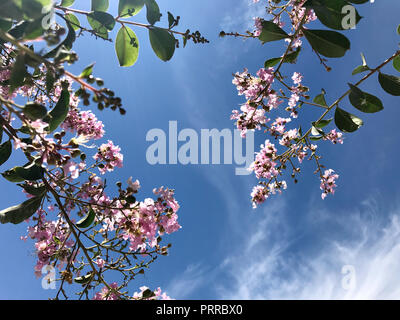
(100, 262)
(264, 166)
(110, 156)
(83, 123)
(258, 25)
(297, 77)
(18, 144)
(334, 137)
(107, 294)
(71, 169)
(328, 180)
(258, 196)
(135, 186)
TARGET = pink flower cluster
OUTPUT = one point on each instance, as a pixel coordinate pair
(50, 237)
(288, 137)
(261, 193)
(328, 180)
(129, 229)
(255, 89)
(83, 123)
(250, 86)
(278, 128)
(107, 294)
(111, 294)
(72, 169)
(262, 98)
(153, 218)
(258, 195)
(110, 156)
(264, 166)
(258, 25)
(334, 137)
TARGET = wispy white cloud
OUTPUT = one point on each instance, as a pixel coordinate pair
(268, 266)
(241, 16)
(183, 285)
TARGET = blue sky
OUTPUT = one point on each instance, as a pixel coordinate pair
(295, 245)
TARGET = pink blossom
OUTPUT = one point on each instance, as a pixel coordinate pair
(297, 78)
(134, 185)
(328, 180)
(258, 195)
(110, 156)
(83, 123)
(107, 294)
(264, 166)
(334, 137)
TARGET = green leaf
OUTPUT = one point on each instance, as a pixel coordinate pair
(147, 294)
(358, 1)
(272, 62)
(320, 99)
(153, 11)
(363, 101)
(364, 61)
(390, 84)
(271, 32)
(162, 42)
(171, 19)
(322, 123)
(101, 22)
(18, 73)
(31, 172)
(34, 111)
(347, 122)
(329, 43)
(83, 279)
(33, 9)
(12, 176)
(100, 5)
(73, 20)
(60, 111)
(396, 63)
(9, 9)
(315, 138)
(329, 12)
(18, 30)
(5, 24)
(33, 29)
(35, 191)
(67, 3)
(360, 69)
(87, 221)
(127, 47)
(87, 71)
(290, 58)
(66, 43)
(50, 80)
(316, 131)
(398, 30)
(5, 151)
(364, 67)
(21, 212)
(129, 7)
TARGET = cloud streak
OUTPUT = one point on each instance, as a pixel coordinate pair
(268, 266)
(183, 285)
